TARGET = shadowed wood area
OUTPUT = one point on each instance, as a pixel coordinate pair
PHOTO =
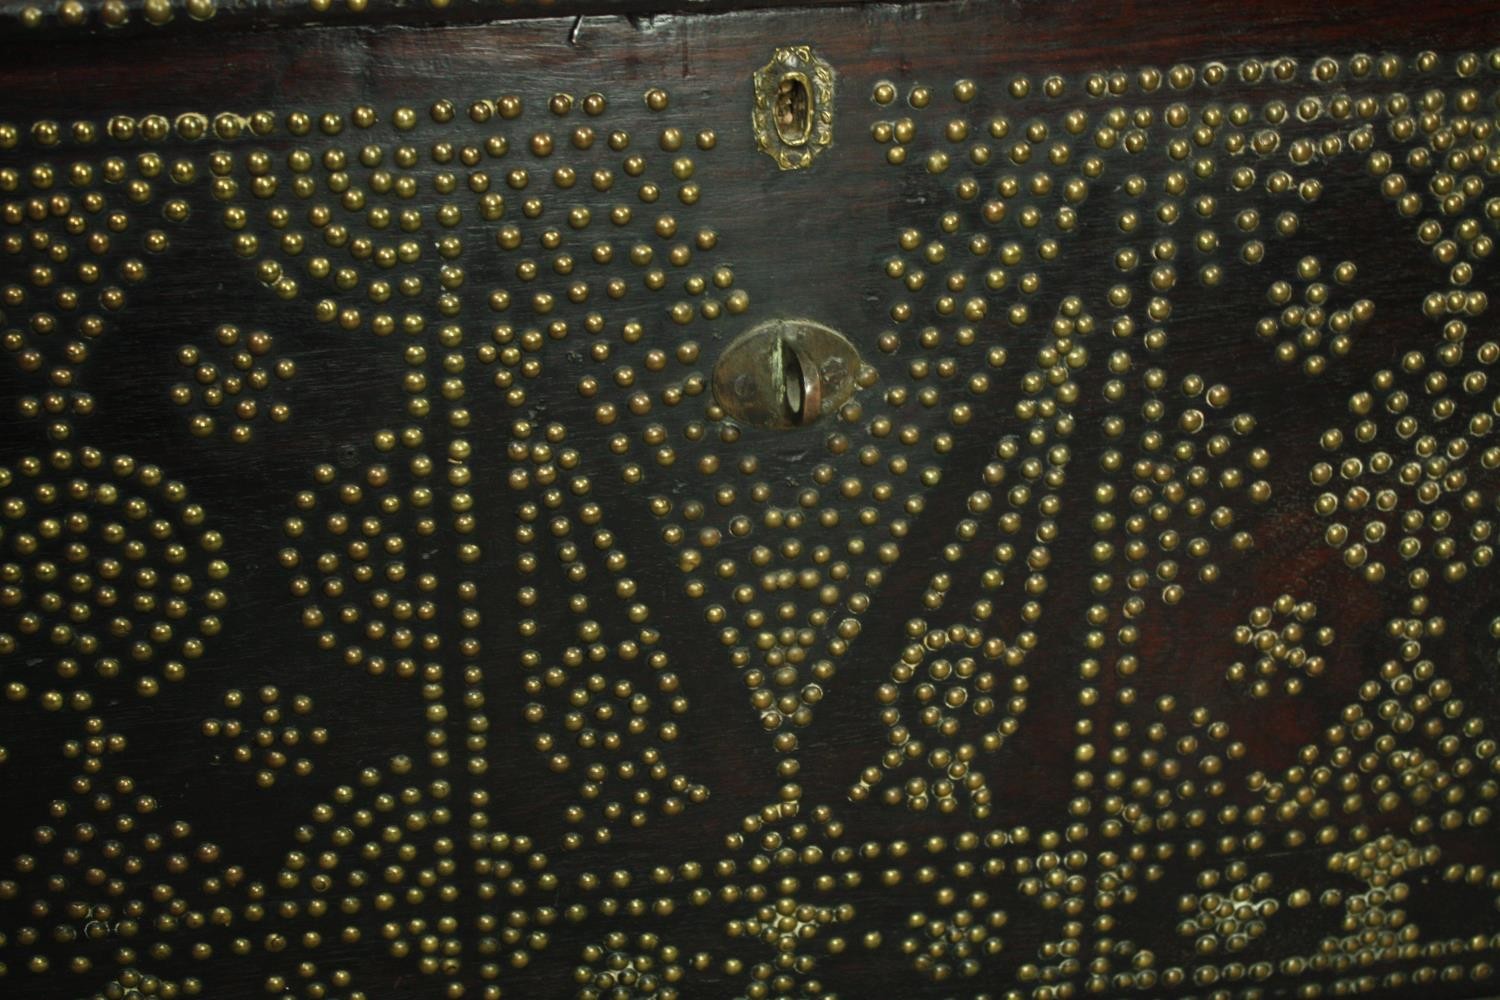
(621, 500)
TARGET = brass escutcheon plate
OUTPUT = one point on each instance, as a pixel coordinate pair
(793, 111)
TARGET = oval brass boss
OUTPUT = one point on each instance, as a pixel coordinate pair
(785, 373)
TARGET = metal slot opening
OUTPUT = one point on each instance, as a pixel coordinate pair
(791, 381)
(793, 110)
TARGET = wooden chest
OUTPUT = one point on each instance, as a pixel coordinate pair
(967, 499)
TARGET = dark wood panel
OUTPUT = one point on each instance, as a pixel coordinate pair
(388, 607)
(117, 20)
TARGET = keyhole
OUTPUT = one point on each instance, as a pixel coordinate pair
(793, 110)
